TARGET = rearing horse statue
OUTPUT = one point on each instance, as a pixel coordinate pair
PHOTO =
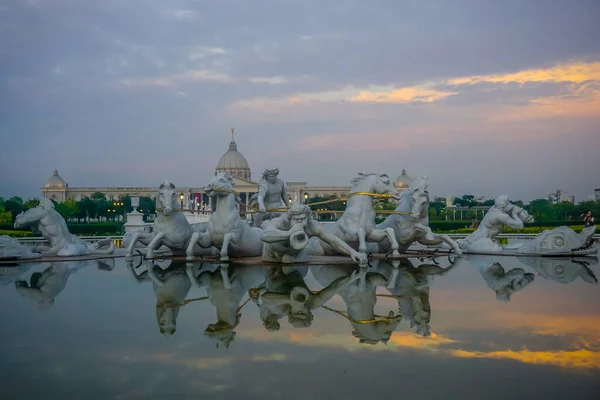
(357, 224)
(171, 228)
(412, 223)
(226, 230)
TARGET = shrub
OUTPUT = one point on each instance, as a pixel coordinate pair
(14, 233)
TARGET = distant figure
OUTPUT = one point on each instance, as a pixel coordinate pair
(588, 219)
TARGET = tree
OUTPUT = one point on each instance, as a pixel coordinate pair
(147, 205)
(15, 206)
(467, 200)
(67, 209)
(5, 216)
(31, 203)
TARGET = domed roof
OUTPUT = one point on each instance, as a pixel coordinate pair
(401, 182)
(232, 159)
(55, 181)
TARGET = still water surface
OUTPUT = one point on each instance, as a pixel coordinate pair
(481, 327)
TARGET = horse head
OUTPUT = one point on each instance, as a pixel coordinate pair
(374, 183)
(420, 197)
(221, 185)
(166, 316)
(166, 198)
(34, 214)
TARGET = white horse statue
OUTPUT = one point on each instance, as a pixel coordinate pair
(171, 228)
(44, 220)
(360, 299)
(171, 286)
(226, 287)
(357, 223)
(226, 230)
(413, 224)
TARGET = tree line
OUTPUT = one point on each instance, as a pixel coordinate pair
(95, 208)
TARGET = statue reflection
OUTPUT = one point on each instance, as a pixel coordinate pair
(563, 270)
(411, 286)
(45, 286)
(171, 286)
(504, 283)
(286, 294)
(359, 296)
(226, 285)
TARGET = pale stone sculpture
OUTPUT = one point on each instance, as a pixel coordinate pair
(356, 226)
(171, 286)
(504, 283)
(286, 294)
(413, 227)
(502, 213)
(411, 286)
(559, 241)
(226, 286)
(563, 270)
(287, 236)
(271, 195)
(12, 272)
(360, 300)
(45, 221)
(12, 249)
(226, 230)
(171, 228)
(44, 287)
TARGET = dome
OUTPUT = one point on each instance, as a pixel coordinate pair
(401, 182)
(233, 162)
(55, 181)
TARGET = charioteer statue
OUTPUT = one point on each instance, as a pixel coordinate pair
(271, 195)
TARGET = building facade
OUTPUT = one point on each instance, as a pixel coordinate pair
(232, 162)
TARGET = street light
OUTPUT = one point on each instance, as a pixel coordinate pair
(181, 198)
(290, 200)
(305, 197)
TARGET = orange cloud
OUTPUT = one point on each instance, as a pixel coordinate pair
(569, 359)
(574, 73)
(402, 95)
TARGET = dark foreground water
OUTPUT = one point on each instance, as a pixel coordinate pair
(483, 328)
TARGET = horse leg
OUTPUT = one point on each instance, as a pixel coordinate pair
(224, 270)
(135, 237)
(155, 243)
(434, 238)
(379, 234)
(362, 243)
(391, 284)
(228, 238)
(189, 252)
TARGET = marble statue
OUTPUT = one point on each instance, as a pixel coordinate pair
(12, 272)
(171, 228)
(44, 287)
(360, 300)
(411, 286)
(226, 286)
(226, 230)
(44, 220)
(271, 195)
(12, 249)
(562, 269)
(559, 241)
(504, 283)
(502, 213)
(286, 294)
(171, 286)
(286, 237)
(413, 227)
(357, 223)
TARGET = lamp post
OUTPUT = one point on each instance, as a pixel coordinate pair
(305, 198)
(290, 200)
(181, 199)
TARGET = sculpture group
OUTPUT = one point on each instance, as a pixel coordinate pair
(288, 233)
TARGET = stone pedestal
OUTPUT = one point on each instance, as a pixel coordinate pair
(135, 221)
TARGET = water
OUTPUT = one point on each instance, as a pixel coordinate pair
(94, 333)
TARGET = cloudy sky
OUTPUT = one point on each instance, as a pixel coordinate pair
(483, 96)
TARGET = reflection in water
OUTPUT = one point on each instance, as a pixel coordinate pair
(225, 286)
(504, 283)
(171, 286)
(286, 294)
(45, 286)
(563, 270)
(360, 299)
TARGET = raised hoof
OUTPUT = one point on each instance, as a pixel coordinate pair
(224, 259)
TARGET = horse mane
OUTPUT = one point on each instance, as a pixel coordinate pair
(361, 175)
(421, 183)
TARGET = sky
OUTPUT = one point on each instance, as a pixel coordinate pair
(484, 97)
